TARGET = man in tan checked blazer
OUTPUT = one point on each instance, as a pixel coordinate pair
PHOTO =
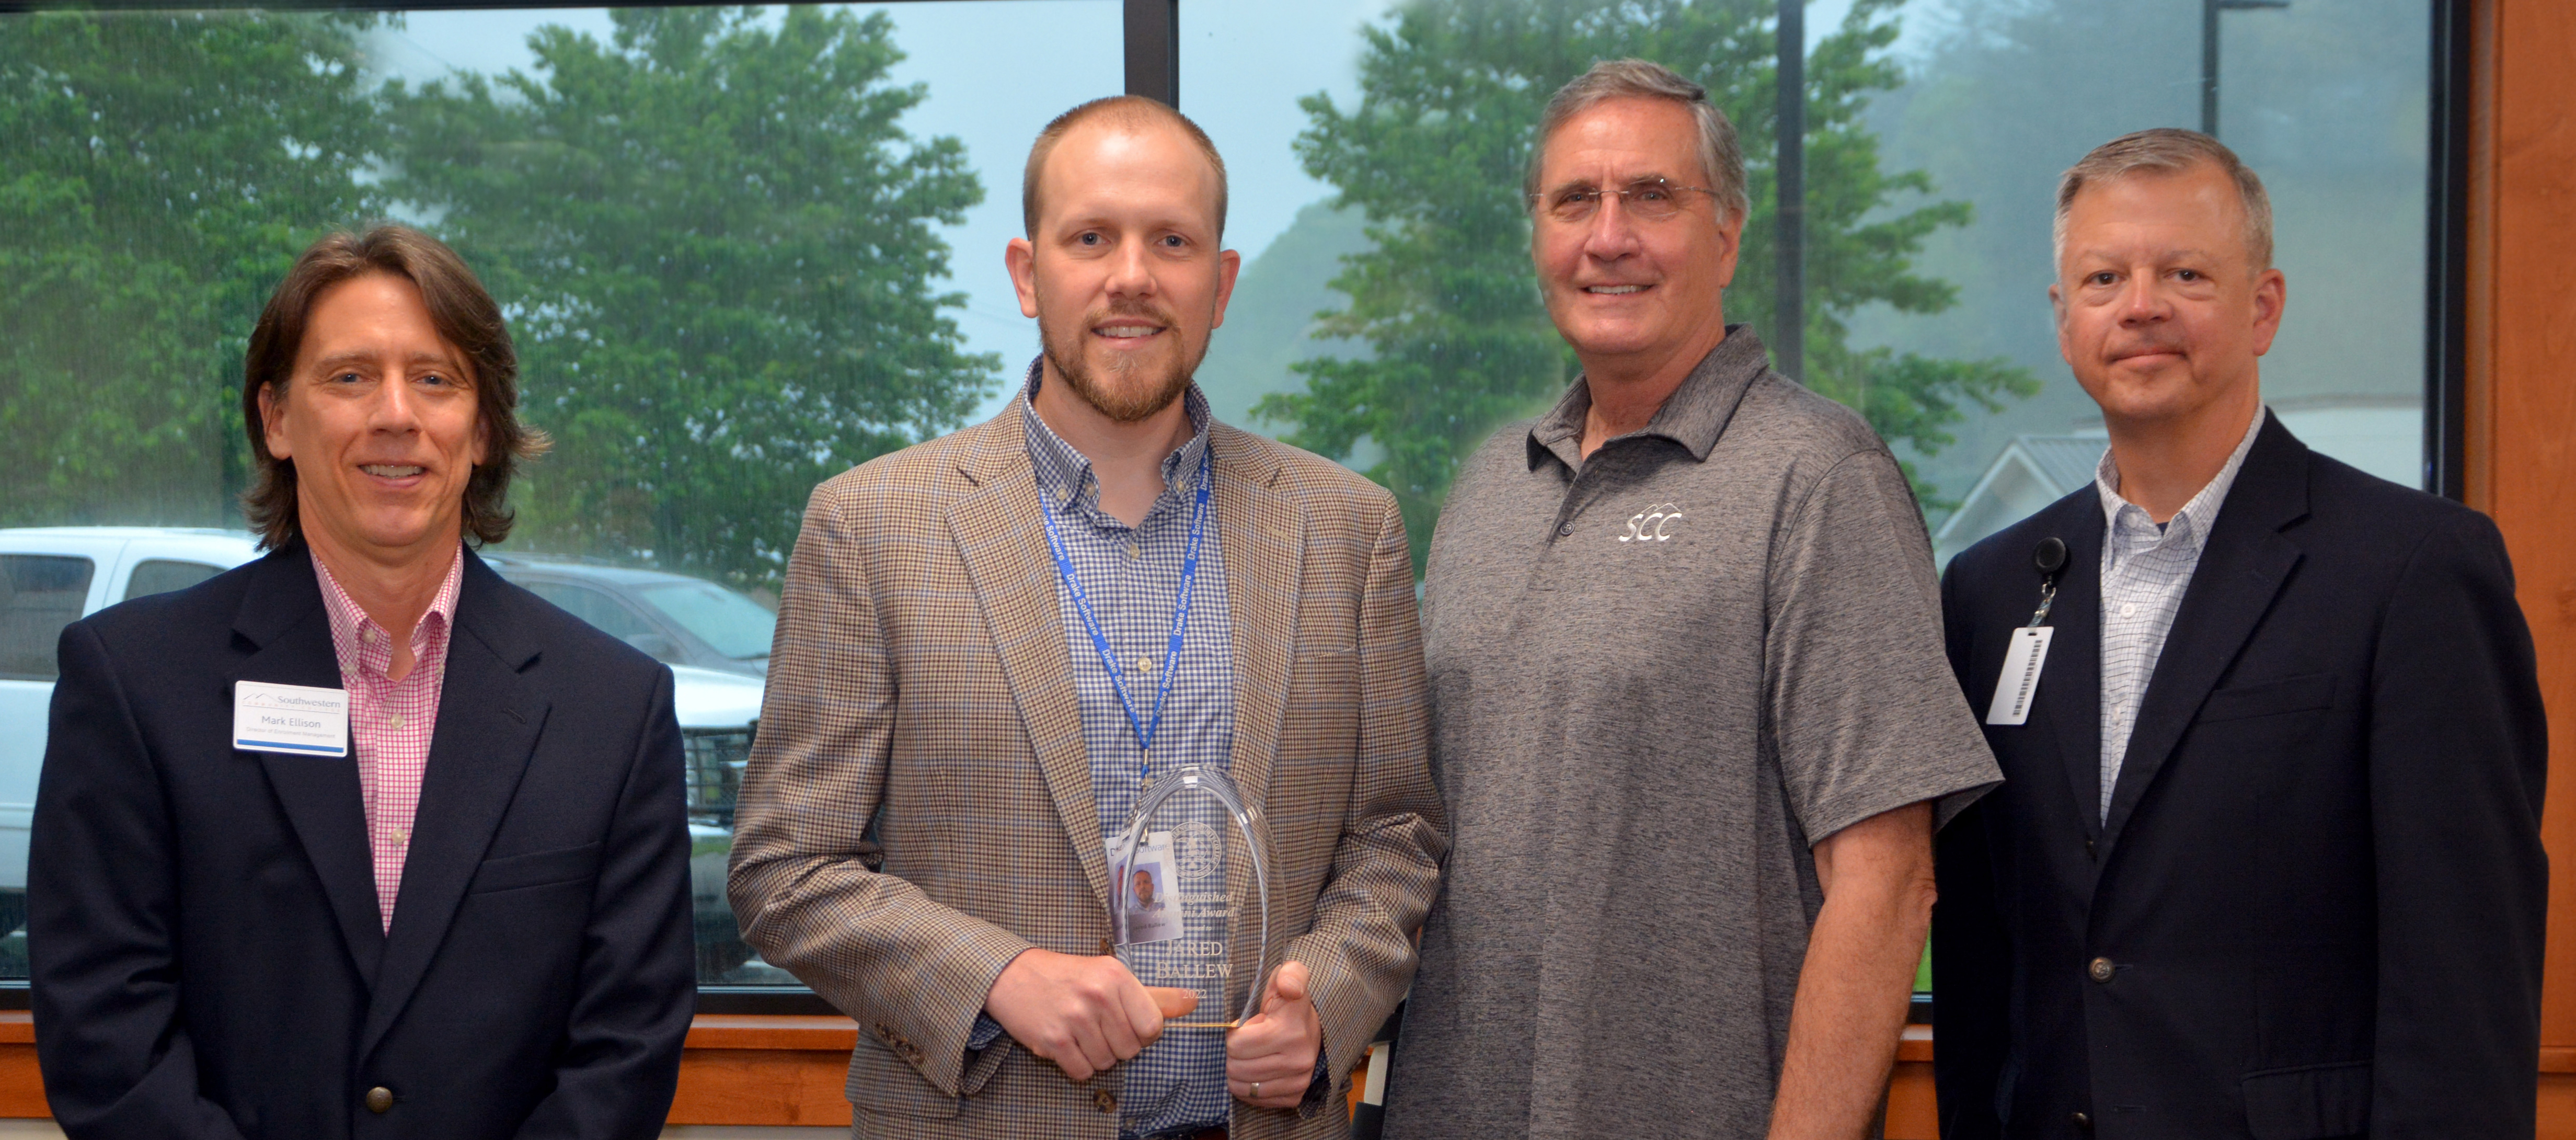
(921, 828)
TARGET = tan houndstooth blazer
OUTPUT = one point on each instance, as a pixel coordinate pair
(921, 681)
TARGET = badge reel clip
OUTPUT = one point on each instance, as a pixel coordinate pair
(2026, 652)
(1178, 788)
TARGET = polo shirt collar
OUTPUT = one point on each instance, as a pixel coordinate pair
(1694, 416)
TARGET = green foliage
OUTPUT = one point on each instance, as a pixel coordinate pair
(1434, 154)
(715, 245)
(159, 172)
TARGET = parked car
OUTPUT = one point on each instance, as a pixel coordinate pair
(53, 576)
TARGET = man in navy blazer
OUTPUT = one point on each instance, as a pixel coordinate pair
(2266, 862)
(467, 917)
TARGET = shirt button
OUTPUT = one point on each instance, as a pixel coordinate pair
(2128, 609)
(1567, 529)
(1135, 549)
(367, 635)
(394, 721)
(2101, 970)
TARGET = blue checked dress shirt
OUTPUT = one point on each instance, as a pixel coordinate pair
(2145, 569)
(1133, 577)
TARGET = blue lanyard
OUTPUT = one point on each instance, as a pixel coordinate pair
(1180, 611)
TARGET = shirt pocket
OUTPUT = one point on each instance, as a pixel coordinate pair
(2268, 698)
(536, 869)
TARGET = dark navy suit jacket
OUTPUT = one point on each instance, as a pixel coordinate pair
(207, 953)
(2318, 902)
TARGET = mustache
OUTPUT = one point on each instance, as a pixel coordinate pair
(1142, 310)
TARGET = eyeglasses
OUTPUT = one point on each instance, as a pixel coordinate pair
(1649, 199)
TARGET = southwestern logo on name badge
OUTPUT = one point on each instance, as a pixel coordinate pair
(295, 719)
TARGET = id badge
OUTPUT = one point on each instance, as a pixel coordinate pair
(1144, 886)
(2023, 660)
(296, 719)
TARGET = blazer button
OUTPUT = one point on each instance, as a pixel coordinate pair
(380, 1100)
(1101, 1100)
(1107, 950)
(2101, 969)
(2084, 1123)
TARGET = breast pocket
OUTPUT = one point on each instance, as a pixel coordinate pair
(536, 869)
(2269, 698)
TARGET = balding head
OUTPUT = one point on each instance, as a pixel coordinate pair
(1133, 113)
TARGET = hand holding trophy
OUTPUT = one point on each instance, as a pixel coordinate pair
(1183, 865)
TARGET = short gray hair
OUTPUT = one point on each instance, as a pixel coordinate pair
(1721, 158)
(2167, 150)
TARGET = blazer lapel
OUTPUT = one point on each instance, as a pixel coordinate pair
(282, 614)
(488, 723)
(2070, 687)
(999, 537)
(2242, 567)
(1265, 543)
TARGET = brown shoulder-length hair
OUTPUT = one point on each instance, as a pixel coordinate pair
(465, 316)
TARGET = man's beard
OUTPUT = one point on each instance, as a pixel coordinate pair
(1125, 396)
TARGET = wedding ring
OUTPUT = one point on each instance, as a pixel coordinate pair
(1256, 1090)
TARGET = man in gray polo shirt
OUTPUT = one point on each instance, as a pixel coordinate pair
(1692, 714)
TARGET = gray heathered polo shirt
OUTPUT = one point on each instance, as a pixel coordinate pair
(1657, 677)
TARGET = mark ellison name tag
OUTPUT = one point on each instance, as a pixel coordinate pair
(295, 719)
(2020, 680)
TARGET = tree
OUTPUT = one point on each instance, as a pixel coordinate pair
(1434, 154)
(714, 243)
(159, 172)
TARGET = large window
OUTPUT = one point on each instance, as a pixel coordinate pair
(742, 250)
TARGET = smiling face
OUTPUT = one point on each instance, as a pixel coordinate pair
(1124, 272)
(1628, 293)
(380, 420)
(2161, 311)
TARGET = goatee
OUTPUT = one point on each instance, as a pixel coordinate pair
(1129, 393)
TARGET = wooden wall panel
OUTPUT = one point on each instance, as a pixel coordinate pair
(2527, 390)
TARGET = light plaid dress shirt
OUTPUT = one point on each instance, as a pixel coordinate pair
(2145, 569)
(390, 721)
(1132, 577)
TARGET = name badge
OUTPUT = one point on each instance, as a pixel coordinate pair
(2020, 680)
(1144, 885)
(295, 719)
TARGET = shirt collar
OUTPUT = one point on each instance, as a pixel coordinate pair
(1693, 416)
(2191, 524)
(361, 643)
(1065, 472)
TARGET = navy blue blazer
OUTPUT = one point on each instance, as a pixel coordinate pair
(207, 954)
(2317, 906)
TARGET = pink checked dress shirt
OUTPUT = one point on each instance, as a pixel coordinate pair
(390, 721)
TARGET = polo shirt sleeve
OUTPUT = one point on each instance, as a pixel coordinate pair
(1865, 713)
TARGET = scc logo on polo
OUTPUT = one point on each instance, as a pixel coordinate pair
(1652, 524)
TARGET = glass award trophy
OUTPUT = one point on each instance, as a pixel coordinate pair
(1190, 887)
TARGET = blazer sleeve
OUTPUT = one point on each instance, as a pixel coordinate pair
(913, 971)
(2458, 758)
(637, 989)
(1971, 956)
(102, 918)
(1386, 867)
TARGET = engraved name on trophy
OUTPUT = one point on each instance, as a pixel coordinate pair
(1174, 911)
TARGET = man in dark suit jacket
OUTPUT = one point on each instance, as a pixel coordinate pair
(470, 918)
(2266, 861)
